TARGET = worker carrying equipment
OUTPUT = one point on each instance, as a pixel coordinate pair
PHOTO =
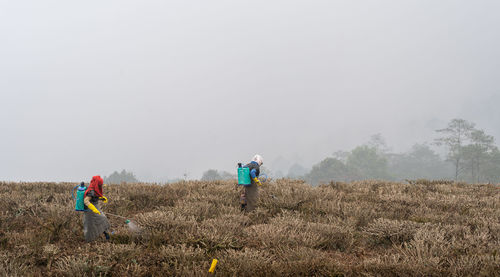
(94, 222)
(248, 177)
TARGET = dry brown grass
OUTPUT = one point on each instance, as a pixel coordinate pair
(366, 228)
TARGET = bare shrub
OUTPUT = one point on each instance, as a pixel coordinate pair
(72, 266)
(388, 232)
(12, 267)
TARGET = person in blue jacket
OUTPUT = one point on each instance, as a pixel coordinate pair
(250, 194)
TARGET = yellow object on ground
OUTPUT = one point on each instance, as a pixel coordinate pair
(104, 199)
(212, 267)
(93, 208)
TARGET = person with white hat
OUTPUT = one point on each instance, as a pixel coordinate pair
(250, 194)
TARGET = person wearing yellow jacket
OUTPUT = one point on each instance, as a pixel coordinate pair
(95, 222)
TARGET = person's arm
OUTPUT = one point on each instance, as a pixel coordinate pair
(86, 200)
(253, 174)
(91, 206)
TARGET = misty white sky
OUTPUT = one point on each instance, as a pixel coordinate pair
(163, 88)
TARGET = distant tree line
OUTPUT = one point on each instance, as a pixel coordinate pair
(212, 175)
(371, 162)
(471, 155)
(120, 177)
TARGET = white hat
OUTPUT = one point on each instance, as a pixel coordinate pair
(258, 159)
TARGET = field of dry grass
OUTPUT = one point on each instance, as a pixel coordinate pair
(365, 228)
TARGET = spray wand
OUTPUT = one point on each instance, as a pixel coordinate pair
(131, 225)
(127, 221)
(263, 179)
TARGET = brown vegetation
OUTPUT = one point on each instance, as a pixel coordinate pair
(366, 228)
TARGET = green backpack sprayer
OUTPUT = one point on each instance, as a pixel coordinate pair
(80, 194)
(244, 178)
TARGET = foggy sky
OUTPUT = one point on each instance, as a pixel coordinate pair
(164, 88)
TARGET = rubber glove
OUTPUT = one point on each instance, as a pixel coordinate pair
(93, 208)
(104, 199)
(257, 181)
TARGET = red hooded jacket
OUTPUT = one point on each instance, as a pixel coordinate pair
(95, 185)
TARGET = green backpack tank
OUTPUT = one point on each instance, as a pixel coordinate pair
(244, 176)
(80, 194)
